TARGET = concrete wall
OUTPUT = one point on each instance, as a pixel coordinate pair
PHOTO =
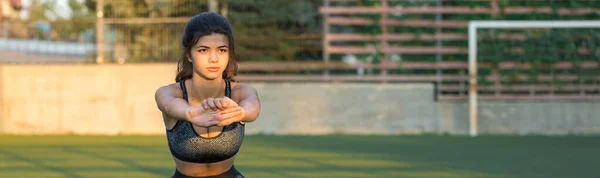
(536, 117)
(82, 99)
(321, 108)
(119, 99)
(525, 117)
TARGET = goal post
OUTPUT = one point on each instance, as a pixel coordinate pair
(501, 24)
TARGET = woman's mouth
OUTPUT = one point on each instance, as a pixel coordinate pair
(213, 69)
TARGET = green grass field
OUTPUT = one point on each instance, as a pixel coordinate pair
(312, 156)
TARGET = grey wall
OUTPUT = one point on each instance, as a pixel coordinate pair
(314, 108)
(119, 99)
(319, 108)
(540, 117)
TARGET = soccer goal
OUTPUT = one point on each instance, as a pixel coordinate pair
(528, 43)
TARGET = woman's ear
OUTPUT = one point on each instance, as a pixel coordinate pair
(189, 57)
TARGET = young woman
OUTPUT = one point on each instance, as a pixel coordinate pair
(205, 111)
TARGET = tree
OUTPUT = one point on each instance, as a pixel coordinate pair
(264, 28)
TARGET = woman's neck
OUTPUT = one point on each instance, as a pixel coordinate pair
(201, 88)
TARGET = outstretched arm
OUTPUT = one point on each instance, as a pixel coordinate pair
(247, 98)
(169, 101)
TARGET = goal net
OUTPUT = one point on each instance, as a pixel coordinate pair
(524, 75)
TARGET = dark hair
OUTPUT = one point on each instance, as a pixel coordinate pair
(205, 23)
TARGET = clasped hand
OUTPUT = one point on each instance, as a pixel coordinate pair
(215, 112)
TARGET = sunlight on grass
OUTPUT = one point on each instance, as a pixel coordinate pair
(107, 149)
(83, 163)
(81, 140)
(156, 163)
(22, 174)
(55, 156)
(358, 163)
(12, 163)
(261, 174)
(34, 149)
(128, 174)
(439, 174)
(139, 155)
(415, 174)
(309, 156)
(275, 163)
(336, 174)
(305, 155)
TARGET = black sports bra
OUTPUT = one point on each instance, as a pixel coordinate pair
(187, 145)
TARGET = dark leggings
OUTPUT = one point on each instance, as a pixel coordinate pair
(231, 173)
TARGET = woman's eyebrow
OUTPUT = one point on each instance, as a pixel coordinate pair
(202, 46)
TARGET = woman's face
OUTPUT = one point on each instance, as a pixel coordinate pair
(210, 56)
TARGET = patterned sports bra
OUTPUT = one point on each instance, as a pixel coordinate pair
(187, 145)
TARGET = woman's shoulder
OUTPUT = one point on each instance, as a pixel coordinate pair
(241, 90)
(241, 86)
(172, 88)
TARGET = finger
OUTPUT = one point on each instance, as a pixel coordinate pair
(218, 103)
(207, 123)
(231, 109)
(227, 116)
(211, 103)
(225, 123)
(212, 123)
(211, 113)
(230, 102)
(224, 102)
(191, 113)
(228, 121)
(205, 104)
(202, 116)
(204, 119)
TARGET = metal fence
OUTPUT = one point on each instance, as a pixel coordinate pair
(295, 40)
(124, 31)
(426, 41)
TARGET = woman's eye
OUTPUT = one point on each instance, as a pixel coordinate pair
(223, 50)
(202, 50)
